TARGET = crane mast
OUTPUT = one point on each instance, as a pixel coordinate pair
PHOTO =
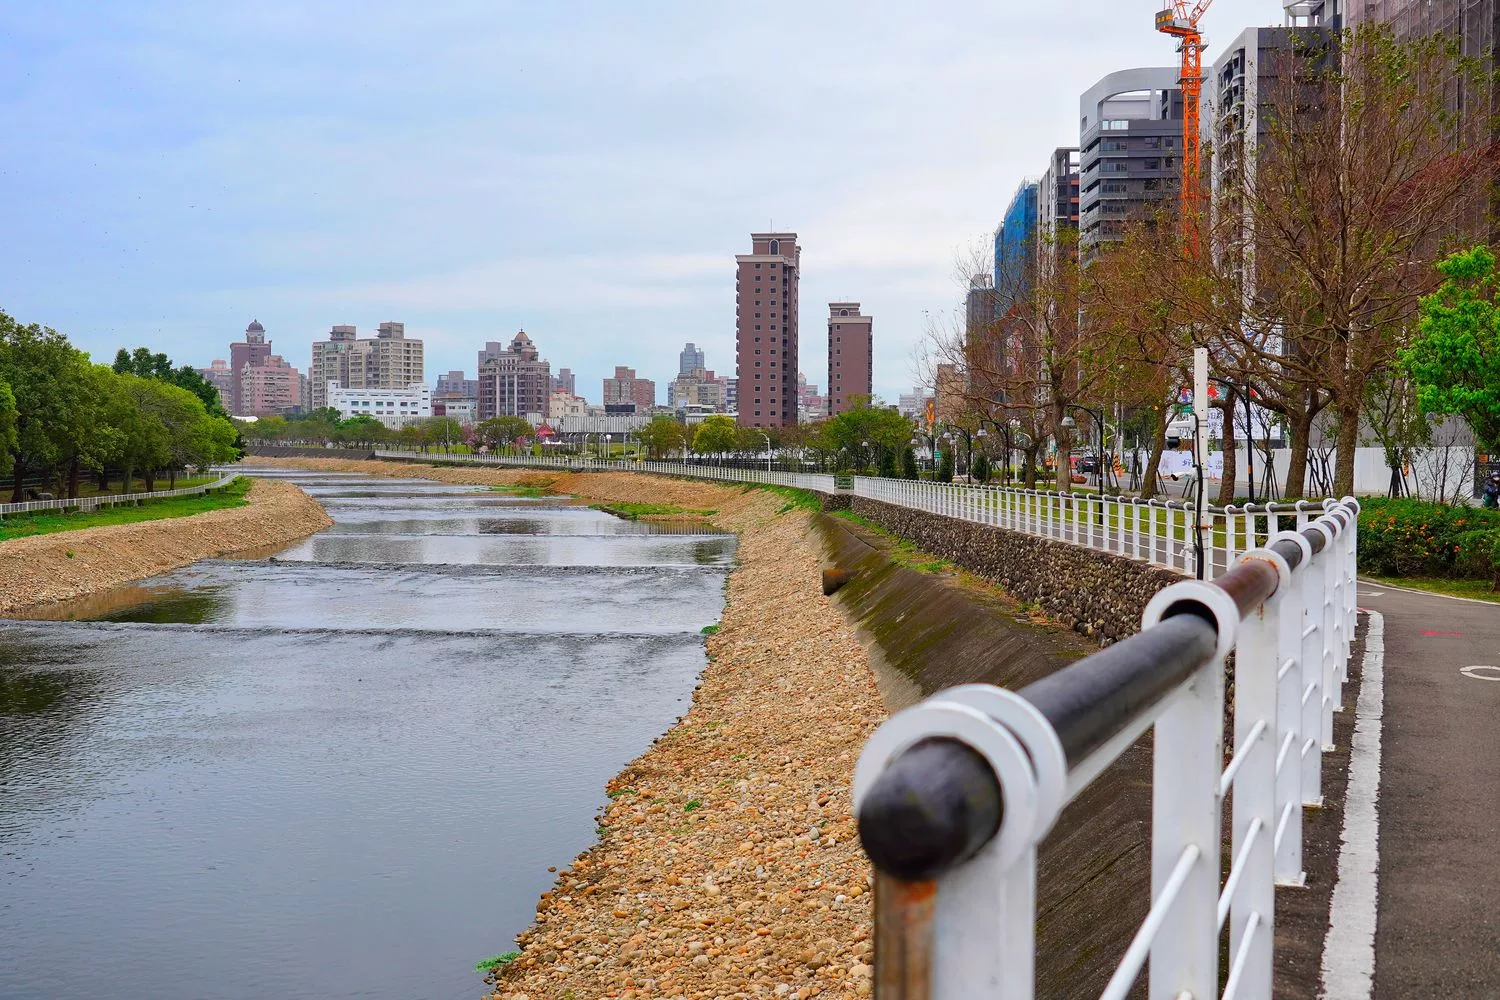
(1180, 20)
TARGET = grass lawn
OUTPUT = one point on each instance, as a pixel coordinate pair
(632, 511)
(45, 523)
(530, 492)
(1479, 590)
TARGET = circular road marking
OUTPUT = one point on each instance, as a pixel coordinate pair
(1482, 672)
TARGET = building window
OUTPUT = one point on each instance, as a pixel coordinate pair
(775, 246)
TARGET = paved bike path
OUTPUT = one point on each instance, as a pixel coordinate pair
(1438, 925)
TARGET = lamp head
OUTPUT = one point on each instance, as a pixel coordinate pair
(1068, 422)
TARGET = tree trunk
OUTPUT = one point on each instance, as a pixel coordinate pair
(1231, 460)
(1032, 453)
(1064, 439)
(1348, 444)
(103, 481)
(1299, 427)
(172, 479)
(18, 489)
(1149, 483)
(73, 474)
(149, 475)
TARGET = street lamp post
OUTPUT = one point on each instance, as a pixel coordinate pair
(607, 439)
(1098, 418)
(768, 451)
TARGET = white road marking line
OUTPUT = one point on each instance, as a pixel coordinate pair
(1348, 971)
(1475, 673)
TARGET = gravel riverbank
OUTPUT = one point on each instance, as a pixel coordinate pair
(70, 564)
(727, 863)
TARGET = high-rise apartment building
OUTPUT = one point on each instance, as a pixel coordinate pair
(690, 360)
(565, 381)
(272, 386)
(766, 290)
(1318, 13)
(454, 386)
(389, 360)
(811, 404)
(221, 377)
(1057, 197)
(625, 387)
(1130, 142)
(697, 388)
(732, 395)
(253, 350)
(513, 379)
(1015, 244)
(851, 356)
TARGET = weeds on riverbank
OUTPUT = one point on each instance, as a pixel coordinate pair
(523, 492)
(901, 551)
(495, 962)
(795, 499)
(49, 522)
(635, 511)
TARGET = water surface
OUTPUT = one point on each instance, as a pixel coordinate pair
(341, 770)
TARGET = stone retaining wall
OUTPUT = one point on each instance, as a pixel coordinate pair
(295, 451)
(1095, 593)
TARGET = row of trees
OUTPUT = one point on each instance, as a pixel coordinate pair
(63, 418)
(1330, 207)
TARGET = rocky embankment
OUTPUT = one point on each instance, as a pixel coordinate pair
(70, 564)
(728, 864)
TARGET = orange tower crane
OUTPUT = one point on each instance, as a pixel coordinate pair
(1180, 20)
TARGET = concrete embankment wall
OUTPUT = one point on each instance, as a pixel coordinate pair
(925, 633)
(1097, 594)
(71, 564)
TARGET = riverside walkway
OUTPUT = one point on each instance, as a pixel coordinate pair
(1438, 819)
(1411, 909)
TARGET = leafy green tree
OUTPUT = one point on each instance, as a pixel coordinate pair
(48, 383)
(498, 432)
(663, 437)
(887, 463)
(909, 463)
(443, 432)
(981, 470)
(1454, 361)
(717, 435)
(945, 466)
(362, 430)
(7, 425)
(143, 363)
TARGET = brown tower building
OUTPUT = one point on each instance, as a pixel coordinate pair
(513, 380)
(766, 330)
(253, 350)
(851, 356)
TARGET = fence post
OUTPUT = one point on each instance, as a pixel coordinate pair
(1290, 736)
(1253, 808)
(1186, 808)
(1314, 696)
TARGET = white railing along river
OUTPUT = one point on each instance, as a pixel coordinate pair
(94, 503)
(1163, 532)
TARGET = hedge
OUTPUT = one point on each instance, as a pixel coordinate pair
(1417, 538)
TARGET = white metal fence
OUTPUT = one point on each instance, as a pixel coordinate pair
(960, 923)
(87, 504)
(1163, 532)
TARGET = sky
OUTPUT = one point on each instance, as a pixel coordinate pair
(583, 170)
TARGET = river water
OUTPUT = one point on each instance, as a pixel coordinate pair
(341, 769)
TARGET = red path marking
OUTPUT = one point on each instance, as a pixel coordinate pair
(1442, 633)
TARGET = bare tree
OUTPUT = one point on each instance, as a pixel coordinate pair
(1363, 175)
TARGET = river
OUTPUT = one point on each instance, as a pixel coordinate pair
(342, 769)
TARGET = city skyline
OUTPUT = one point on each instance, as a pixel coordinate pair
(226, 198)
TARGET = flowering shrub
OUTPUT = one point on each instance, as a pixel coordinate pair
(1417, 538)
